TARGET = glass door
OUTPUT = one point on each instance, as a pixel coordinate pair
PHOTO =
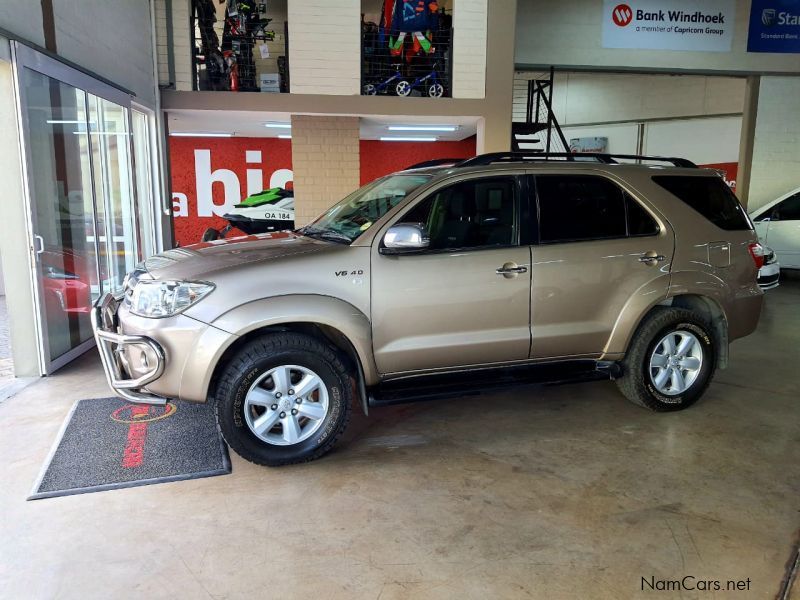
(113, 188)
(76, 133)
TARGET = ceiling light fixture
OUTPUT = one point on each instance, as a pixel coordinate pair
(69, 122)
(422, 127)
(200, 134)
(395, 138)
(278, 125)
(285, 136)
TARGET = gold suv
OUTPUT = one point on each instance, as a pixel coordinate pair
(499, 270)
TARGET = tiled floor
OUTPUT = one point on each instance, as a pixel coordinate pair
(562, 492)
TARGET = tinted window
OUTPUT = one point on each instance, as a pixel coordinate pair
(579, 207)
(639, 220)
(473, 213)
(788, 210)
(710, 196)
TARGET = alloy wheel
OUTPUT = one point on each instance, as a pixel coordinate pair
(286, 405)
(676, 362)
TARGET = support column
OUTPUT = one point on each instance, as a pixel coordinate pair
(494, 129)
(15, 249)
(747, 139)
(325, 161)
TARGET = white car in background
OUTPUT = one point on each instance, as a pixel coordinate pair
(769, 274)
(778, 226)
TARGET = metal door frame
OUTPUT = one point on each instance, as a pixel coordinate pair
(25, 57)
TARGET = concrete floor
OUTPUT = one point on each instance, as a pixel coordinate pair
(565, 492)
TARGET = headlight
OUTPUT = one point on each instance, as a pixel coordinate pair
(166, 298)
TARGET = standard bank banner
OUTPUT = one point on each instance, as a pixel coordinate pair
(774, 26)
(669, 24)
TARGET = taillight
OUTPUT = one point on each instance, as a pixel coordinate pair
(757, 252)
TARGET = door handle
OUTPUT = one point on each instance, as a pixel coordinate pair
(651, 259)
(511, 269)
(38, 246)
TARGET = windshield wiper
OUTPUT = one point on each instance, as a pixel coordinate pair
(325, 234)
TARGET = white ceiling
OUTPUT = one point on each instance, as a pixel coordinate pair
(251, 124)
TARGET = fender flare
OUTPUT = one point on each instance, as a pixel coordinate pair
(327, 311)
(701, 285)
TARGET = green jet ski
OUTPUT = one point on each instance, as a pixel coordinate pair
(270, 210)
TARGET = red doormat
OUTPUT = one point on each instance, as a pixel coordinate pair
(107, 443)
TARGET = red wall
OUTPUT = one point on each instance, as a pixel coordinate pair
(381, 158)
(226, 153)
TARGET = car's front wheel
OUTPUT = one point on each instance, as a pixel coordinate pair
(283, 398)
(670, 361)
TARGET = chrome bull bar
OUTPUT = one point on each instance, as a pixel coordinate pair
(111, 345)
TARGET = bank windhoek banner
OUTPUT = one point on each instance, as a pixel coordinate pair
(669, 24)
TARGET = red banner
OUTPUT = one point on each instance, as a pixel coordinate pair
(730, 172)
(210, 175)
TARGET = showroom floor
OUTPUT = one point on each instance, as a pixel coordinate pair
(547, 493)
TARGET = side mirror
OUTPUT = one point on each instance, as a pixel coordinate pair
(405, 238)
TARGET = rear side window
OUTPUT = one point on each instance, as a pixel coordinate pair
(710, 196)
(575, 208)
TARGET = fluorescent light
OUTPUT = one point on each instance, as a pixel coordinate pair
(285, 136)
(69, 122)
(278, 125)
(422, 127)
(200, 134)
(393, 138)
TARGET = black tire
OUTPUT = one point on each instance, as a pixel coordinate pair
(210, 234)
(636, 382)
(254, 359)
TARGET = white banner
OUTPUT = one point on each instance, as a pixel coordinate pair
(669, 24)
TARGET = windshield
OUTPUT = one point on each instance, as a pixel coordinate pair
(351, 217)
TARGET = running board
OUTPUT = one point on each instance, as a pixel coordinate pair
(421, 388)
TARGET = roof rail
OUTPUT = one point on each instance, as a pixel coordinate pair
(436, 162)
(608, 159)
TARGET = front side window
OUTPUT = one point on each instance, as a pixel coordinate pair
(351, 217)
(470, 214)
(788, 210)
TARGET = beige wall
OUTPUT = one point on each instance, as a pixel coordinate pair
(569, 33)
(182, 43)
(613, 97)
(469, 48)
(325, 47)
(325, 161)
(776, 149)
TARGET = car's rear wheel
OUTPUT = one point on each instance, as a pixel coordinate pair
(283, 398)
(670, 361)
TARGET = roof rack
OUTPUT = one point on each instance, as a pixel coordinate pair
(608, 159)
(436, 162)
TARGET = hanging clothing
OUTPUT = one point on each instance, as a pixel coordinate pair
(413, 15)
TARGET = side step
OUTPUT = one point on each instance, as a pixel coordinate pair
(484, 381)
